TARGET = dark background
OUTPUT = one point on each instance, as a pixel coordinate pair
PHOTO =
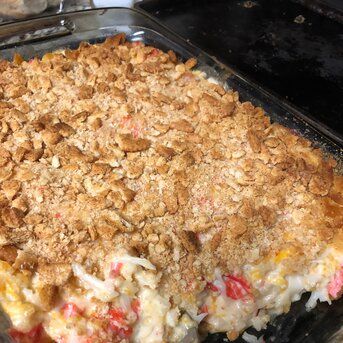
(301, 62)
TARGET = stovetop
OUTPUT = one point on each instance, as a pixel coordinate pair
(283, 46)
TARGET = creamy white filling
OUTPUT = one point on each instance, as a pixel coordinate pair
(102, 290)
(134, 279)
(271, 292)
(151, 326)
(274, 291)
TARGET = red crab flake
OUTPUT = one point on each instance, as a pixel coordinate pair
(205, 202)
(125, 121)
(190, 285)
(204, 309)
(118, 323)
(35, 335)
(131, 125)
(115, 269)
(153, 53)
(70, 310)
(137, 44)
(136, 306)
(212, 287)
(237, 287)
(335, 286)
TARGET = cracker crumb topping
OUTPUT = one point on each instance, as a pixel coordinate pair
(122, 144)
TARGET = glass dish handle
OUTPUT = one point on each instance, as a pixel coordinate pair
(32, 31)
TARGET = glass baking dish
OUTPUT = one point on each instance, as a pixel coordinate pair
(37, 36)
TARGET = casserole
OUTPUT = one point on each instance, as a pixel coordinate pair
(130, 139)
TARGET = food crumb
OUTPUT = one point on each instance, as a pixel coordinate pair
(55, 162)
(249, 4)
(299, 19)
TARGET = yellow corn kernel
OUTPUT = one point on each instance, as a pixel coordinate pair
(287, 236)
(282, 255)
(5, 267)
(2, 288)
(12, 291)
(281, 282)
(20, 308)
(19, 312)
(277, 280)
(58, 320)
(255, 275)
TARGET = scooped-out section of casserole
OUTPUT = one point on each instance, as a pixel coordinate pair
(142, 202)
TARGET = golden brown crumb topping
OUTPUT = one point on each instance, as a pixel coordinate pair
(122, 144)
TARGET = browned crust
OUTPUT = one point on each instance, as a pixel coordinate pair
(120, 144)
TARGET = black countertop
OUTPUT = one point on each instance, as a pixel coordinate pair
(283, 46)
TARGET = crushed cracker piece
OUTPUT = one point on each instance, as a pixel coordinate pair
(128, 143)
